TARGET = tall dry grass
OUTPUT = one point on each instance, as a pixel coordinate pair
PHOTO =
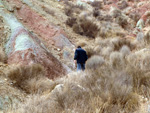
(106, 85)
(3, 57)
(30, 78)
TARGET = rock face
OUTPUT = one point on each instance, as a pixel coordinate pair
(25, 48)
(50, 34)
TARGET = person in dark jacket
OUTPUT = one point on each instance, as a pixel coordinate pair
(80, 58)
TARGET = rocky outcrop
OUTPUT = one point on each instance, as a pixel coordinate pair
(25, 48)
(50, 34)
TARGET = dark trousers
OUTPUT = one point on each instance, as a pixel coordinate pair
(80, 66)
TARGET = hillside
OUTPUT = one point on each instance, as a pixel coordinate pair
(37, 43)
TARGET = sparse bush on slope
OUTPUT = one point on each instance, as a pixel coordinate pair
(94, 62)
(71, 8)
(71, 21)
(147, 37)
(134, 16)
(84, 27)
(122, 21)
(125, 50)
(29, 78)
(116, 60)
(90, 51)
(122, 4)
(89, 28)
(118, 43)
(96, 4)
(2, 56)
(96, 13)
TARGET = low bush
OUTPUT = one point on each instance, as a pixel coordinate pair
(89, 28)
(122, 4)
(38, 85)
(71, 21)
(94, 62)
(147, 37)
(96, 13)
(29, 78)
(2, 56)
(105, 18)
(114, 12)
(135, 16)
(116, 60)
(89, 51)
(68, 11)
(118, 43)
(122, 21)
(71, 8)
(125, 50)
(96, 4)
(85, 27)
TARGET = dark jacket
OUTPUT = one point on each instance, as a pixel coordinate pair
(80, 55)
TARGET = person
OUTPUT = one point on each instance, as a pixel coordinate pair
(80, 58)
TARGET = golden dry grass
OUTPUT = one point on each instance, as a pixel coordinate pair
(2, 56)
(30, 78)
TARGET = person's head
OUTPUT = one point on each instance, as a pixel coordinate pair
(79, 47)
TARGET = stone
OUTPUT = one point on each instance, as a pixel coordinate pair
(51, 34)
(25, 48)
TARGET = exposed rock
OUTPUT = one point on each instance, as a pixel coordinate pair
(51, 34)
(25, 48)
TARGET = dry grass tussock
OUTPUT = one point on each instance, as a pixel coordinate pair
(86, 92)
(116, 60)
(94, 62)
(122, 21)
(134, 16)
(2, 56)
(81, 24)
(84, 27)
(105, 47)
(30, 78)
(119, 43)
(90, 51)
(96, 4)
(147, 37)
(71, 8)
(125, 50)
